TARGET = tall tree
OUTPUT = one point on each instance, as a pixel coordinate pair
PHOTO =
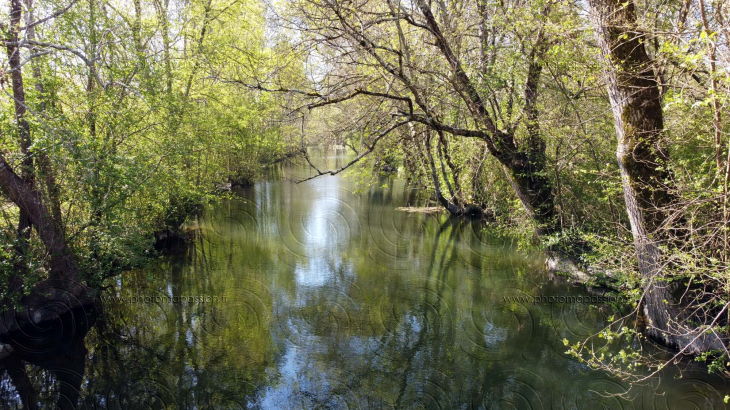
(414, 58)
(23, 127)
(525, 167)
(642, 158)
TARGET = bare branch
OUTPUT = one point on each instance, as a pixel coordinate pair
(370, 149)
(52, 16)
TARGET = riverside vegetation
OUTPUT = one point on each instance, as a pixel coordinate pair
(598, 130)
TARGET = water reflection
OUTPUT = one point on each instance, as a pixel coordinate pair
(57, 355)
(329, 299)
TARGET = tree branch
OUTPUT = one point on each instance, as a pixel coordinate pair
(52, 16)
(370, 149)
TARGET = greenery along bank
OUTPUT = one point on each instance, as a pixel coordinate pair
(601, 126)
(114, 130)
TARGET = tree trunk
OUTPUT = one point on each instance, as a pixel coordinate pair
(527, 174)
(162, 7)
(139, 49)
(452, 207)
(26, 167)
(16, 8)
(638, 117)
(201, 39)
(441, 148)
(63, 290)
(27, 198)
(526, 168)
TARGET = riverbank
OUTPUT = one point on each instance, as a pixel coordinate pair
(329, 289)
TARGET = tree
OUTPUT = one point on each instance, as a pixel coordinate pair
(383, 52)
(643, 160)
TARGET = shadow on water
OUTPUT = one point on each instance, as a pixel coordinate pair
(57, 350)
(315, 296)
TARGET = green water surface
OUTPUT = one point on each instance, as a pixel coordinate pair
(314, 295)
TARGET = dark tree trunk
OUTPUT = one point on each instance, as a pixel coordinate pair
(27, 198)
(26, 167)
(450, 206)
(528, 177)
(63, 290)
(528, 166)
(16, 8)
(637, 110)
(440, 149)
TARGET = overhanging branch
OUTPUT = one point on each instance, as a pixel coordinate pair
(370, 149)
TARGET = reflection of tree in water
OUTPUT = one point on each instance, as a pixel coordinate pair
(160, 355)
(46, 365)
(411, 362)
(410, 313)
(190, 355)
(414, 351)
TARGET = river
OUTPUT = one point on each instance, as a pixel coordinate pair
(320, 295)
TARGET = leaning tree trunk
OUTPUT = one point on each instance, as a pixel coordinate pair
(638, 117)
(64, 290)
(27, 198)
(524, 167)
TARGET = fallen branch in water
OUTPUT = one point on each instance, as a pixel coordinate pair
(421, 209)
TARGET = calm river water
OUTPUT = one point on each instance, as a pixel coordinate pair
(314, 295)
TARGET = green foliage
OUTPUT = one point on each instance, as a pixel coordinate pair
(142, 114)
(139, 139)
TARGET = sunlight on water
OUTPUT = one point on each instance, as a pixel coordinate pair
(327, 298)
